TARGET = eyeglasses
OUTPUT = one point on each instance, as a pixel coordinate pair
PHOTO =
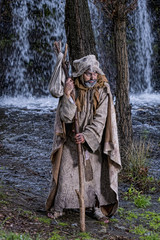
(91, 74)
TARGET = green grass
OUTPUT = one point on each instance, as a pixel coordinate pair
(140, 230)
(13, 236)
(3, 196)
(55, 236)
(146, 224)
(84, 236)
(145, 234)
(131, 215)
(44, 220)
(113, 220)
(139, 199)
(3, 202)
(121, 212)
(138, 159)
(63, 224)
(152, 236)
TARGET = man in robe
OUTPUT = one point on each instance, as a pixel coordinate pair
(98, 137)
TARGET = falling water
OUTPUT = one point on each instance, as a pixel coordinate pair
(141, 52)
(36, 25)
(16, 70)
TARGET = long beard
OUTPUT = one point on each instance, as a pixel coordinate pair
(90, 83)
(79, 84)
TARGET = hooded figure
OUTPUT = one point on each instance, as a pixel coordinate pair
(98, 137)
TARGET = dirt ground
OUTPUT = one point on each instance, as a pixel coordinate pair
(26, 141)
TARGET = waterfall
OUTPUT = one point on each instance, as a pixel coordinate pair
(140, 54)
(16, 70)
(36, 25)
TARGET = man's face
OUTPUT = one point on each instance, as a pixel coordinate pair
(89, 76)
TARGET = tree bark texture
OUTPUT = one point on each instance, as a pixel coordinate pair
(79, 31)
(81, 42)
(123, 107)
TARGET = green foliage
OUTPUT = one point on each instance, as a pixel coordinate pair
(114, 220)
(132, 192)
(131, 215)
(27, 213)
(121, 211)
(153, 219)
(137, 168)
(85, 235)
(140, 200)
(13, 236)
(128, 215)
(150, 227)
(145, 133)
(153, 189)
(152, 236)
(56, 236)
(140, 230)
(3, 196)
(145, 234)
(137, 159)
(3, 202)
(63, 224)
(4, 221)
(44, 220)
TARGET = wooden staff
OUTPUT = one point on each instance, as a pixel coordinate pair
(80, 193)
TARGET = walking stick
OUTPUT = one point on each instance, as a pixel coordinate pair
(80, 193)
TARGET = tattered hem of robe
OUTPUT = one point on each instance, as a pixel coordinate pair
(108, 210)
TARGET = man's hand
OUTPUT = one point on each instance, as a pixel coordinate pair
(79, 138)
(69, 86)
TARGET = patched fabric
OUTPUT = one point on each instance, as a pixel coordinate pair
(88, 171)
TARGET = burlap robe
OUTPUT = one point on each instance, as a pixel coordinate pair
(110, 154)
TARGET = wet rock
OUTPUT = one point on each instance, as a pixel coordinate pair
(54, 222)
(22, 137)
(121, 227)
(74, 225)
(103, 229)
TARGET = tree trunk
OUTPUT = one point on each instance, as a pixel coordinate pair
(123, 107)
(81, 42)
(79, 31)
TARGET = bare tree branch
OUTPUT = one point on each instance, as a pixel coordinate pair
(106, 8)
(117, 8)
(131, 7)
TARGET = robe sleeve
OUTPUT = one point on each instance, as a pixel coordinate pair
(67, 109)
(93, 132)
